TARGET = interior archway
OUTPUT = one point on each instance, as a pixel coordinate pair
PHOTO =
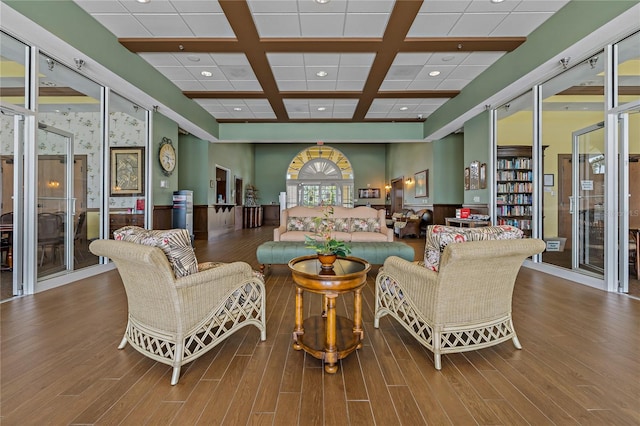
(320, 175)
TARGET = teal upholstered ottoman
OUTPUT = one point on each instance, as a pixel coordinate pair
(281, 252)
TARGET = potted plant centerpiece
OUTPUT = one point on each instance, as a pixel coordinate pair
(328, 248)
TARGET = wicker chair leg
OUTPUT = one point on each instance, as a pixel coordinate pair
(123, 343)
(516, 342)
(175, 376)
(437, 361)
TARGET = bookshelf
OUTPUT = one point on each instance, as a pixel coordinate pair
(514, 187)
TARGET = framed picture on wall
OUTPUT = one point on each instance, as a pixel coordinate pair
(369, 193)
(483, 175)
(466, 178)
(127, 172)
(422, 183)
(474, 175)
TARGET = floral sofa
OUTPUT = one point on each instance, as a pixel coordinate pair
(358, 224)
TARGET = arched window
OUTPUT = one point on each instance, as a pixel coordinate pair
(320, 174)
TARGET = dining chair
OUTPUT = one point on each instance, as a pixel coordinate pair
(49, 235)
(6, 241)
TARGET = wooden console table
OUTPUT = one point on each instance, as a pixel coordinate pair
(469, 223)
(328, 336)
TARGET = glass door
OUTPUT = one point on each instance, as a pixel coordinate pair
(55, 202)
(587, 200)
(629, 204)
(11, 203)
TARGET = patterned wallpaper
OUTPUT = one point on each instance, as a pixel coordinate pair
(125, 130)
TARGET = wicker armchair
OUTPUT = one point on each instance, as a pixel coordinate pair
(464, 306)
(176, 320)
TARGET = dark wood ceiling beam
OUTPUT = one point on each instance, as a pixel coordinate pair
(321, 45)
(400, 21)
(417, 94)
(239, 16)
(462, 44)
(185, 44)
(195, 94)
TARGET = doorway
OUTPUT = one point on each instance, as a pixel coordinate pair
(397, 195)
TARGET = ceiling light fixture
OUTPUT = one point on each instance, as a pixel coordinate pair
(143, 1)
(404, 108)
(322, 73)
(322, 1)
(496, 1)
(193, 58)
(322, 109)
(206, 73)
(434, 73)
(237, 109)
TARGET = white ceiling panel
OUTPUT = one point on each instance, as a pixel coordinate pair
(277, 25)
(517, 24)
(164, 25)
(208, 25)
(365, 25)
(196, 6)
(322, 25)
(433, 25)
(477, 24)
(122, 25)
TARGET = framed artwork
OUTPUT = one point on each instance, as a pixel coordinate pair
(474, 175)
(422, 183)
(369, 193)
(483, 175)
(548, 180)
(466, 179)
(127, 172)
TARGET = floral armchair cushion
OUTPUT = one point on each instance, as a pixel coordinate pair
(438, 237)
(175, 243)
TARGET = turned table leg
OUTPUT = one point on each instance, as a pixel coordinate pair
(330, 349)
(299, 329)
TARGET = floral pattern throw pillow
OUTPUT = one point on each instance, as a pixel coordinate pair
(366, 224)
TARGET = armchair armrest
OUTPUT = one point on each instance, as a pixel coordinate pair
(417, 283)
(277, 232)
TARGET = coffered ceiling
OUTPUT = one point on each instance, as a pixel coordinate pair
(321, 60)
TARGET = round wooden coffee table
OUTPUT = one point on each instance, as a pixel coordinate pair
(329, 337)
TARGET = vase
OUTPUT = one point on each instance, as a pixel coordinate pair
(326, 260)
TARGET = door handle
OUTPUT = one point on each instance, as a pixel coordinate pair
(571, 204)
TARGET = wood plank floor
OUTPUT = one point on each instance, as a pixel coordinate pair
(580, 363)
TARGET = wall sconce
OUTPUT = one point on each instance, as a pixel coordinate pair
(409, 181)
(53, 184)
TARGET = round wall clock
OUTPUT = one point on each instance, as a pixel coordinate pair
(167, 156)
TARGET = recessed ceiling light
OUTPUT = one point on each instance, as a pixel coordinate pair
(321, 73)
(434, 73)
(143, 1)
(237, 109)
(448, 58)
(321, 109)
(322, 1)
(496, 1)
(193, 58)
(206, 73)
(404, 108)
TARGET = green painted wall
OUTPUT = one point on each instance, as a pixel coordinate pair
(313, 132)
(76, 27)
(569, 25)
(163, 127)
(194, 166)
(239, 159)
(406, 159)
(272, 162)
(447, 178)
(477, 147)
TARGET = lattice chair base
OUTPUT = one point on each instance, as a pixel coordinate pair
(390, 300)
(245, 306)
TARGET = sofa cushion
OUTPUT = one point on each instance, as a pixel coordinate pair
(438, 237)
(364, 224)
(301, 223)
(175, 243)
(341, 224)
